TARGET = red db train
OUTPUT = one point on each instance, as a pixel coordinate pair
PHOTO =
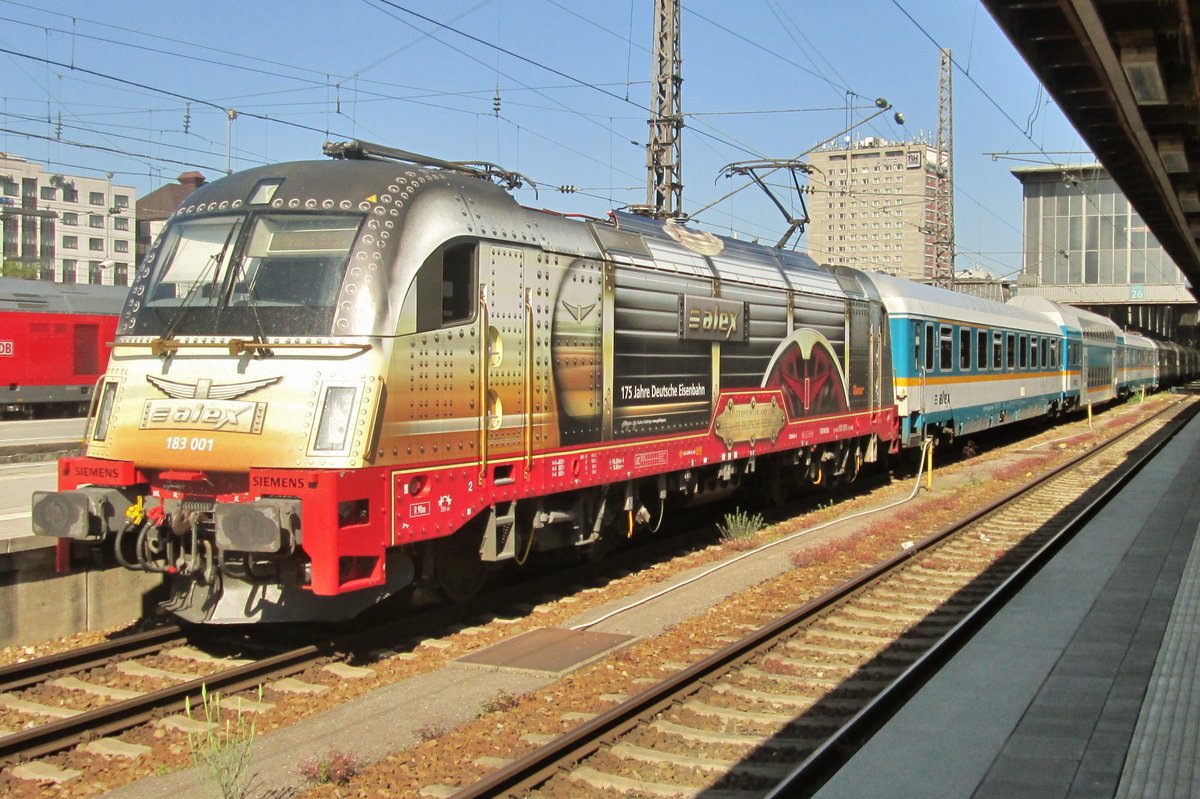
(54, 344)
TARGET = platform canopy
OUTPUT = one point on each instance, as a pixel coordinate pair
(1127, 75)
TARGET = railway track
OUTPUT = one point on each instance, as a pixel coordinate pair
(779, 709)
(54, 703)
(45, 708)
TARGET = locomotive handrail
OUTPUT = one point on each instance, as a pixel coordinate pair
(93, 409)
(528, 381)
(484, 357)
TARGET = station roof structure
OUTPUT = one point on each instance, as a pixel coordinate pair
(1127, 75)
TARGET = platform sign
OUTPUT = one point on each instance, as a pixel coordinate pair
(1137, 291)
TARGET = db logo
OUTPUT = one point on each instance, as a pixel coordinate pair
(6, 349)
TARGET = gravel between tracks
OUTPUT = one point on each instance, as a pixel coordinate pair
(424, 720)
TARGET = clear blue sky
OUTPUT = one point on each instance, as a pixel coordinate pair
(95, 87)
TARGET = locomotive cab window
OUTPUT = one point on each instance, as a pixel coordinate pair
(444, 291)
(242, 275)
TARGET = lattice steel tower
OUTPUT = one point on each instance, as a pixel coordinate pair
(664, 184)
(943, 199)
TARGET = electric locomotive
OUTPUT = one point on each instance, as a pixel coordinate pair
(337, 381)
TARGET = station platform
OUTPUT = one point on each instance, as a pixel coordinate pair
(1084, 684)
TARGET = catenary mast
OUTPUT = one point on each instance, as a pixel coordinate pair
(664, 184)
(943, 209)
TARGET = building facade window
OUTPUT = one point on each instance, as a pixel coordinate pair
(96, 198)
(1079, 229)
(70, 242)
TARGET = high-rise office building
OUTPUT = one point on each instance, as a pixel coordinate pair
(872, 206)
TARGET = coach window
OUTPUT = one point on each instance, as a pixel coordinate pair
(1012, 350)
(981, 350)
(1024, 351)
(946, 347)
(445, 287)
(928, 346)
(997, 349)
(964, 349)
(1033, 353)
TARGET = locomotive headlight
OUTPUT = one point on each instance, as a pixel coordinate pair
(107, 399)
(337, 408)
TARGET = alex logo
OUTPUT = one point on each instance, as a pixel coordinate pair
(712, 319)
(204, 405)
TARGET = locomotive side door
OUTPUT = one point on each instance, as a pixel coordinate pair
(504, 400)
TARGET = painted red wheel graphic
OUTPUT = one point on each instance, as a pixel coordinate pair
(807, 373)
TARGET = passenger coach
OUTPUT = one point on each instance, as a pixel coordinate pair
(964, 364)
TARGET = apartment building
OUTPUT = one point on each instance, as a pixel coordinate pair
(65, 228)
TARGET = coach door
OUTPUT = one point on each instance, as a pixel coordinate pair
(878, 341)
(923, 347)
(1085, 382)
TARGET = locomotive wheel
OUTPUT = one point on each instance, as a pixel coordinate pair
(458, 571)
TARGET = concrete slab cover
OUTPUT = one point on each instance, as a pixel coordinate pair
(547, 649)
